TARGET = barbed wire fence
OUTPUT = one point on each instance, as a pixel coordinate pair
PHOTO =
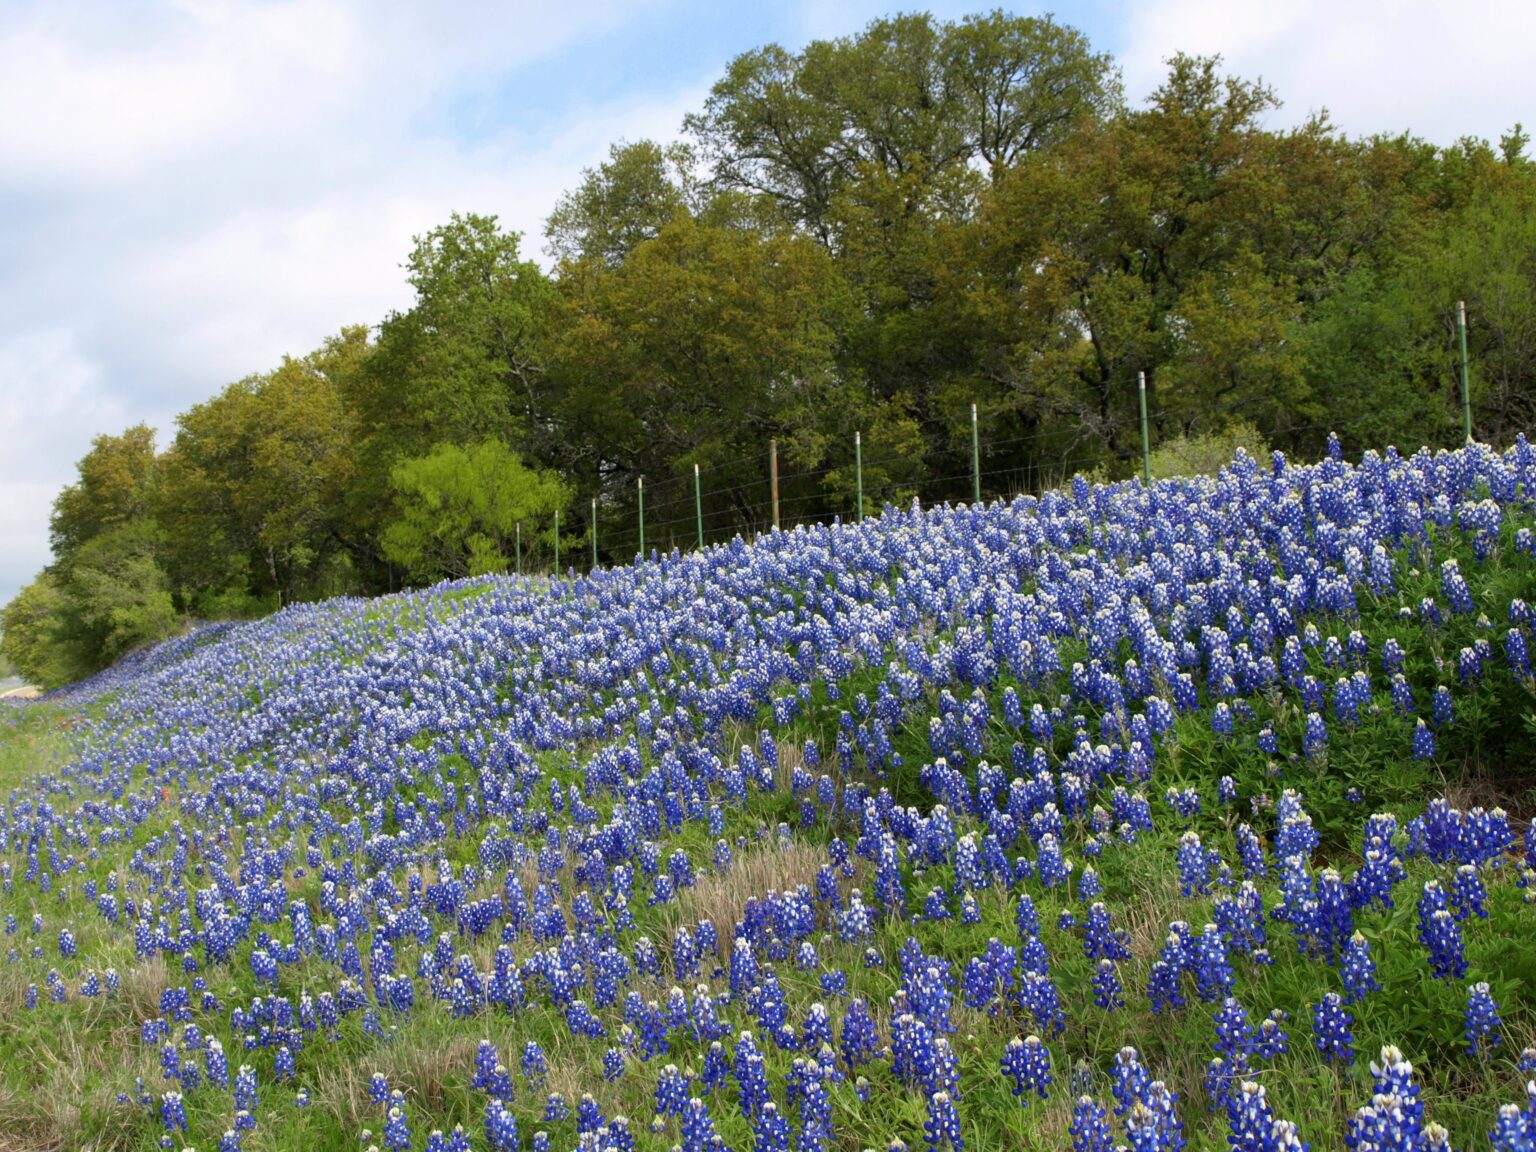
(683, 512)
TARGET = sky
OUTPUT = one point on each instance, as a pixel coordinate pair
(190, 189)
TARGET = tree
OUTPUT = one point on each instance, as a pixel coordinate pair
(208, 536)
(32, 637)
(302, 464)
(1485, 254)
(907, 93)
(703, 344)
(1234, 352)
(113, 488)
(253, 494)
(457, 510)
(117, 595)
(1181, 240)
(622, 203)
(463, 364)
(1025, 83)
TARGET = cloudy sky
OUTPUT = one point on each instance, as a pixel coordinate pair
(190, 189)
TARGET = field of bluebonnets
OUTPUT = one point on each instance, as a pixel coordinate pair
(1183, 817)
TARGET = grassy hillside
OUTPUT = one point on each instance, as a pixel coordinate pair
(1079, 819)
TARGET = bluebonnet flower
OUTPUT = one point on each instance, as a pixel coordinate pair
(751, 1075)
(1107, 989)
(1514, 1129)
(1052, 867)
(1481, 1024)
(1517, 653)
(770, 1131)
(1250, 852)
(246, 1098)
(1331, 1023)
(859, 1039)
(1240, 917)
(1453, 586)
(1270, 1039)
(397, 1128)
(671, 1092)
(942, 1127)
(1395, 1117)
(1129, 1080)
(1252, 1126)
(1213, 975)
(534, 1064)
(1423, 741)
(1090, 1129)
(1027, 1063)
(1441, 709)
(173, 1113)
(1195, 865)
(935, 905)
(1038, 996)
(1440, 934)
(1184, 801)
(1469, 896)
(1101, 939)
(500, 1127)
(1314, 737)
(1088, 885)
(1154, 1125)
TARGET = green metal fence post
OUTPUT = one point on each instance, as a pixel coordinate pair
(594, 533)
(519, 547)
(858, 469)
(1146, 443)
(1466, 390)
(698, 506)
(975, 459)
(640, 490)
(557, 543)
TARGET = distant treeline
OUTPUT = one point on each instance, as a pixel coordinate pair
(870, 234)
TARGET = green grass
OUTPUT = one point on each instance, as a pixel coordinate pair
(65, 1064)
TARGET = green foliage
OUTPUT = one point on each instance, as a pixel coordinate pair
(462, 364)
(118, 595)
(870, 234)
(1206, 454)
(115, 482)
(622, 203)
(907, 92)
(705, 342)
(31, 635)
(252, 493)
(458, 510)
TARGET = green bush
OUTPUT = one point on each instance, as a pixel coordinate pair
(1207, 453)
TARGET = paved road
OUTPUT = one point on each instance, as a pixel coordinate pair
(13, 686)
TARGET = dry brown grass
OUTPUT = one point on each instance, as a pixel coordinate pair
(422, 1069)
(720, 897)
(1484, 790)
(1149, 909)
(66, 1067)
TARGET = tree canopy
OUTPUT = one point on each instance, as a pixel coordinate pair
(865, 234)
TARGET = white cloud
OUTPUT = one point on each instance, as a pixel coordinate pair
(191, 189)
(47, 383)
(1390, 66)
